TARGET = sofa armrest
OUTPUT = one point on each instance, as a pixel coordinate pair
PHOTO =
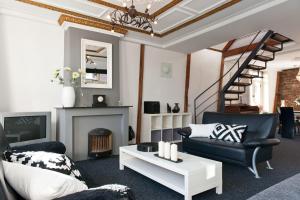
(185, 132)
(261, 143)
(53, 147)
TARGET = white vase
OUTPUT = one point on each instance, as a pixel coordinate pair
(68, 97)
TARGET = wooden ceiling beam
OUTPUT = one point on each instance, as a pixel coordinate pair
(166, 8)
(114, 6)
(213, 49)
(228, 45)
(201, 17)
(247, 48)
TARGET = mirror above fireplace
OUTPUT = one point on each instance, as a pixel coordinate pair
(96, 64)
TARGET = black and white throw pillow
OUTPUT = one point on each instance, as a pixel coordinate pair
(45, 160)
(232, 133)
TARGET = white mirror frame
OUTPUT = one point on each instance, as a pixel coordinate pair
(84, 43)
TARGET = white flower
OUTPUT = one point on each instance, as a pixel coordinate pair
(75, 75)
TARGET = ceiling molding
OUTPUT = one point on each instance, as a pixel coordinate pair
(166, 7)
(72, 13)
(114, 6)
(201, 17)
(67, 18)
(97, 20)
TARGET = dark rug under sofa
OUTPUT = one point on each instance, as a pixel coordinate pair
(238, 182)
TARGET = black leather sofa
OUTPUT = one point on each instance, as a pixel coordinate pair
(255, 148)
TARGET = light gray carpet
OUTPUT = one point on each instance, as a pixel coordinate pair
(288, 189)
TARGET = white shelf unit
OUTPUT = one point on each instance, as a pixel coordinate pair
(164, 126)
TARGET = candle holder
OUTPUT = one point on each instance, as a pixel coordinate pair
(178, 160)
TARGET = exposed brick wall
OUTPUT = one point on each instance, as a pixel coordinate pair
(289, 87)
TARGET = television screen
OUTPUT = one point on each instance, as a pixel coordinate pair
(25, 128)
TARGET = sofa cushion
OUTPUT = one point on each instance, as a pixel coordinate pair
(232, 133)
(37, 184)
(219, 148)
(202, 130)
(51, 161)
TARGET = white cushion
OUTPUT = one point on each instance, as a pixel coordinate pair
(202, 130)
(36, 183)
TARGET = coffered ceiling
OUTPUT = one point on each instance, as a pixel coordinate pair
(183, 25)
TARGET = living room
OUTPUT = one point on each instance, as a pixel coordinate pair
(80, 75)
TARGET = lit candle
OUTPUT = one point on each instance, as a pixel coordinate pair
(161, 146)
(174, 152)
(167, 150)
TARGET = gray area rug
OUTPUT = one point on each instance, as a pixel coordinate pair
(288, 189)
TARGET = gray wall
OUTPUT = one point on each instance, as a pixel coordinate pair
(72, 59)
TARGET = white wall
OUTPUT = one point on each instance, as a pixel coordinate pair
(205, 70)
(156, 88)
(30, 51)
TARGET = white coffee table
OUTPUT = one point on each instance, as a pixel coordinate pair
(192, 176)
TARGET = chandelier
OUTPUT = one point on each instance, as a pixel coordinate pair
(130, 16)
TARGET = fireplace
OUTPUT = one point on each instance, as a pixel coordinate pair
(99, 143)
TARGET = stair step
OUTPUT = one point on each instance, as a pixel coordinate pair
(235, 92)
(240, 84)
(280, 38)
(256, 67)
(249, 76)
(271, 48)
(231, 98)
(263, 58)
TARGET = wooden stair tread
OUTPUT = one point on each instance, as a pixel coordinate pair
(250, 76)
(231, 99)
(263, 58)
(240, 84)
(280, 38)
(271, 48)
(256, 67)
(235, 91)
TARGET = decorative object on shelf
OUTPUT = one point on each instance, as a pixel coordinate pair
(176, 108)
(148, 147)
(130, 16)
(298, 75)
(151, 107)
(69, 79)
(161, 146)
(166, 70)
(169, 109)
(99, 100)
(174, 152)
(167, 150)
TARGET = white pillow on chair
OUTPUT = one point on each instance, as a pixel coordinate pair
(35, 183)
(202, 130)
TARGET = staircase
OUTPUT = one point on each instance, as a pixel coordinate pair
(240, 75)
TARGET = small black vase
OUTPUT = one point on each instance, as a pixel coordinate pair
(169, 109)
(176, 108)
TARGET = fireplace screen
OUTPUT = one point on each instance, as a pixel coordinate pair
(100, 142)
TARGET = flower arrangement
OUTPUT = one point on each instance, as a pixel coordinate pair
(66, 75)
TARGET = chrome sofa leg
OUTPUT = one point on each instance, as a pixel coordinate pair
(253, 169)
(269, 165)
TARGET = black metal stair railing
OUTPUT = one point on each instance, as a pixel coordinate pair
(202, 104)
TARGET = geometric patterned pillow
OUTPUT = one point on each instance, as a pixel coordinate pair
(232, 133)
(45, 160)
